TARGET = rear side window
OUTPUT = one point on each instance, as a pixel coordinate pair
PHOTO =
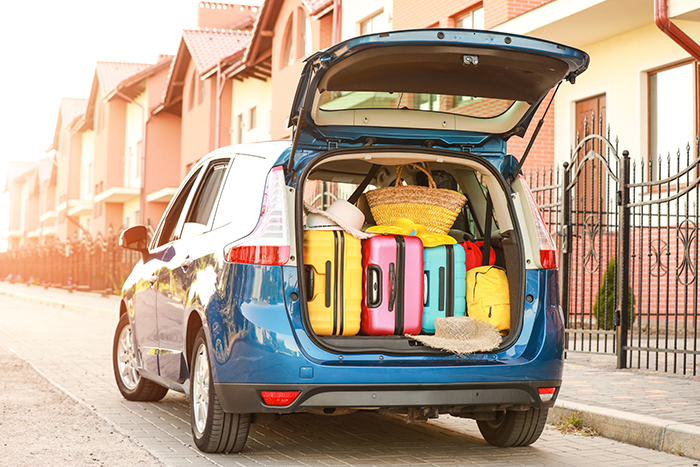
(203, 205)
(168, 232)
(242, 196)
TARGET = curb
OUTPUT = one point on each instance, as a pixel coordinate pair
(68, 305)
(638, 430)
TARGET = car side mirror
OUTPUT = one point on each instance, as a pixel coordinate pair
(135, 238)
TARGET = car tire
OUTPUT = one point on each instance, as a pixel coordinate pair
(132, 386)
(513, 428)
(213, 430)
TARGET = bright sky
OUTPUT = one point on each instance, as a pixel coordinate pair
(49, 50)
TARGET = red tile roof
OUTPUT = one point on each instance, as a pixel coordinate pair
(70, 109)
(315, 6)
(110, 74)
(18, 171)
(207, 48)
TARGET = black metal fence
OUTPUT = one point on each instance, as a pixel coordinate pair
(624, 225)
(81, 263)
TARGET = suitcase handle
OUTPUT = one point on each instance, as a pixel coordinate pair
(374, 286)
(309, 282)
(392, 286)
(426, 281)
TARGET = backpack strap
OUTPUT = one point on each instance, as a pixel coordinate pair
(487, 231)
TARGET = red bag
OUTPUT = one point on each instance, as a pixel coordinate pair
(475, 254)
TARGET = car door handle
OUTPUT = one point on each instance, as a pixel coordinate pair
(186, 263)
(152, 280)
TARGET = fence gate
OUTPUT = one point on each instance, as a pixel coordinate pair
(629, 226)
(590, 244)
(663, 264)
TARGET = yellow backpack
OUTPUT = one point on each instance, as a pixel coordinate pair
(488, 298)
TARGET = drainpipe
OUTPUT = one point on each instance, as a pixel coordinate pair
(337, 20)
(674, 32)
(220, 85)
(142, 158)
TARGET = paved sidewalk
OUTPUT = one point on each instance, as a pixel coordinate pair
(644, 408)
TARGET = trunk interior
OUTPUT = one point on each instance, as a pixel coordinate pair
(337, 174)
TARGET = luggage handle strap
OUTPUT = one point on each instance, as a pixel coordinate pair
(363, 184)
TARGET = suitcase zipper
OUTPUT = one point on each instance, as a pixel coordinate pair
(338, 256)
(400, 283)
(449, 286)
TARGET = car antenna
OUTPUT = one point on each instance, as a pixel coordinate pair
(512, 176)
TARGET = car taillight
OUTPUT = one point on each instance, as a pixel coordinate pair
(546, 394)
(548, 249)
(269, 242)
(279, 398)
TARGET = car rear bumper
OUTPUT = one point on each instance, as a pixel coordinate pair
(475, 397)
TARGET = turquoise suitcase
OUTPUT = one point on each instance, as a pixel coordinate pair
(445, 284)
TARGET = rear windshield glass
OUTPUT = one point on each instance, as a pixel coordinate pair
(478, 107)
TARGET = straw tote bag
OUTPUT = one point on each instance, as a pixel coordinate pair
(434, 208)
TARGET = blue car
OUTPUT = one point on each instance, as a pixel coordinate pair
(218, 308)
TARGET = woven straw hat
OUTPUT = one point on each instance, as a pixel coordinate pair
(341, 214)
(462, 335)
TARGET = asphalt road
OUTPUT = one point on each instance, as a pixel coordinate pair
(73, 349)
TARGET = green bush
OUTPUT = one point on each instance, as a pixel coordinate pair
(606, 302)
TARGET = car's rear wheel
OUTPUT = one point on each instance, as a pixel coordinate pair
(132, 386)
(513, 428)
(213, 429)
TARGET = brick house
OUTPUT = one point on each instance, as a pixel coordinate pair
(233, 80)
(68, 147)
(196, 90)
(21, 184)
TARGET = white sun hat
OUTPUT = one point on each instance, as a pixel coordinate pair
(462, 335)
(339, 215)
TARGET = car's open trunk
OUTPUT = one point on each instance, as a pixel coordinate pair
(336, 174)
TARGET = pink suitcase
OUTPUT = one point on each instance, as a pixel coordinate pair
(392, 283)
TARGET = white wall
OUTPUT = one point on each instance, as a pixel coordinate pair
(133, 149)
(134, 135)
(247, 94)
(356, 11)
(87, 157)
(130, 208)
(619, 69)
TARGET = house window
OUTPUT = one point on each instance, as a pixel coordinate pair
(375, 23)
(132, 172)
(193, 85)
(239, 128)
(202, 91)
(101, 124)
(252, 118)
(672, 108)
(473, 19)
(305, 46)
(287, 55)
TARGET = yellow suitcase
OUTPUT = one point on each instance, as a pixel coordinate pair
(333, 266)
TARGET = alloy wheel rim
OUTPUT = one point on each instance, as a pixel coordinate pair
(200, 389)
(126, 359)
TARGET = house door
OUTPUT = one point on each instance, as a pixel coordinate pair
(591, 186)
